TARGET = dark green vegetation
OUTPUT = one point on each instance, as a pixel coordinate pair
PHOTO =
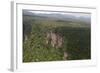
(76, 37)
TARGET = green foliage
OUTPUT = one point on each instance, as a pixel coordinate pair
(35, 49)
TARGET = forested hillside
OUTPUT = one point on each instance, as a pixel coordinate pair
(51, 39)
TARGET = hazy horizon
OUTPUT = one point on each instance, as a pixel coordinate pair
(77, 14)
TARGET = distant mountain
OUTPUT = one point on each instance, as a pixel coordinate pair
(58, 16)
(25, 12)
